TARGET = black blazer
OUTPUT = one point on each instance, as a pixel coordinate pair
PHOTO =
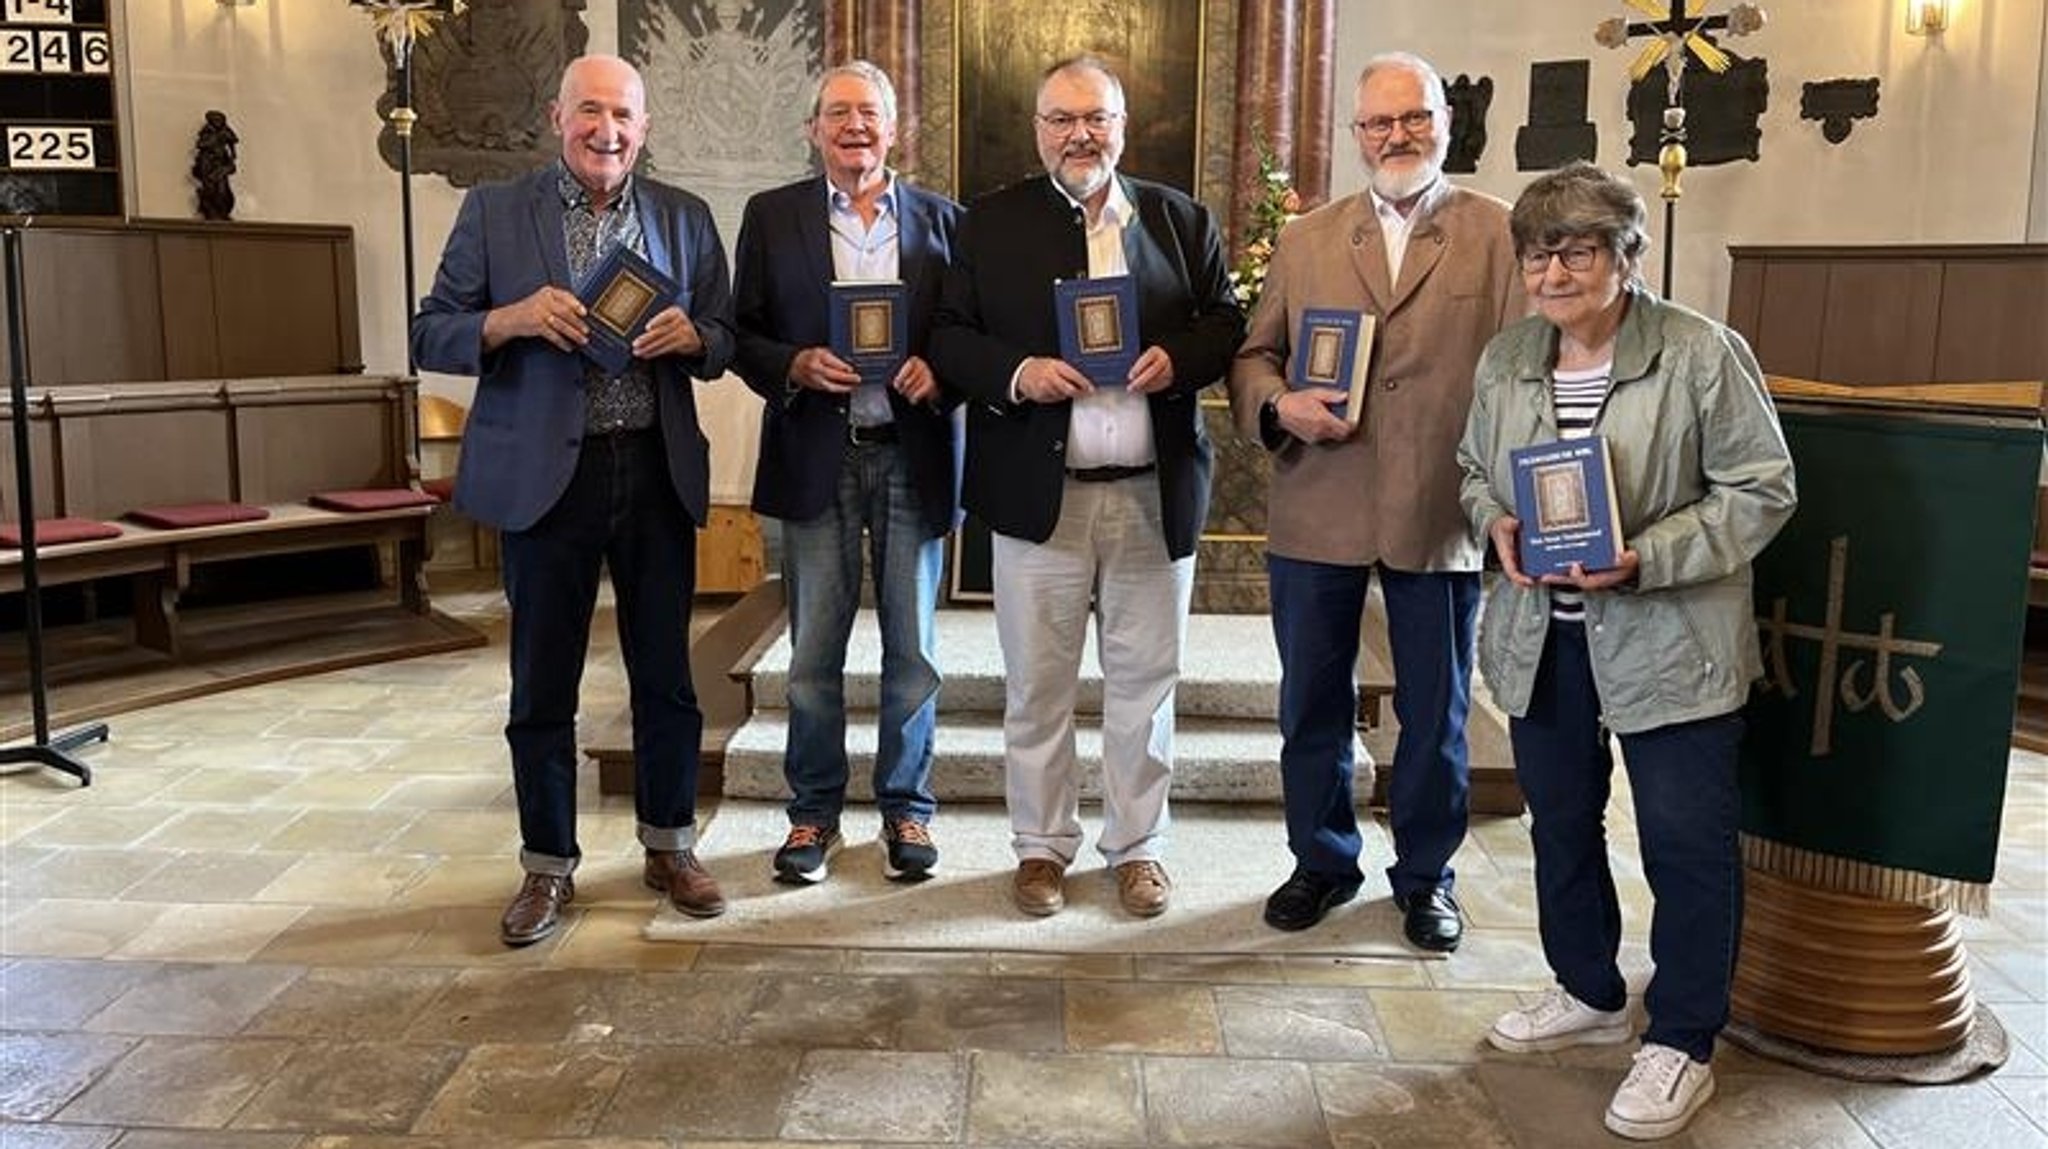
(782, 267)
(997, 310)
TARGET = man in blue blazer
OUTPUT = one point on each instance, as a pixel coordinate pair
(842, 456)
(580, 469)
(1096, 493)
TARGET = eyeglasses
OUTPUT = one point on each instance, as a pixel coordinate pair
(1380, 127)
(1577, 257)
(840, 114)
(1060, 123)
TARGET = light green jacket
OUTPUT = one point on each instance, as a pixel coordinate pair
(1704, 481)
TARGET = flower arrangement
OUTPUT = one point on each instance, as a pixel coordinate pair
(1277, 203)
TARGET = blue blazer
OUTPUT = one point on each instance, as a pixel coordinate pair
(782, 269)
(525, 428)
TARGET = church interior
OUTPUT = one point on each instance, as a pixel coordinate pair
(270, 920)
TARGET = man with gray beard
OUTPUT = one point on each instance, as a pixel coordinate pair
(1435, 266)
(1095, 493)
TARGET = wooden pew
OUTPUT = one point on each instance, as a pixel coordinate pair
(99, 452)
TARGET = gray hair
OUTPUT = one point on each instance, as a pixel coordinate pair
(1432, 81)
(1582, 200)
(859, 70)
(1085, 62)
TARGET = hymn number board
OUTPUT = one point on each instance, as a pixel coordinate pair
(57, 111)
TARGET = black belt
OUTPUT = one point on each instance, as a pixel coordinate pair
(620, 434)
(1107, 474)
(869, 436)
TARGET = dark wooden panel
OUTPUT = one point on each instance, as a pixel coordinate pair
(49, 495)
(92, 309)
(1994, 322)
(1880, 321)
(1895, 314)
(1746, 298)
(180, 456)
(275, 307)
(348, 325)
(185, 280)
(288, 451)
(1789, 326)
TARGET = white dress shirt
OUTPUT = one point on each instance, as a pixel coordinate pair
(1395, 227)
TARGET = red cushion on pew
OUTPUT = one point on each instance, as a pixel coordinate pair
(50, 532)
(371, 499)
(197, 515)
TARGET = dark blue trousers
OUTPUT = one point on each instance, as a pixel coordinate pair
(620, 513)
(1687, 813)
(1430, 620)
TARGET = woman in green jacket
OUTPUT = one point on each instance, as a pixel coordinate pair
(1659, 650)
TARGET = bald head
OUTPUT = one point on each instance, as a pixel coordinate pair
(600, 112)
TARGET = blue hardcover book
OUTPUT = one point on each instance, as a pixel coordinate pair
(1564, 495)
(621, 294)
(1098, 326)
(870, 327)
(1333, 349)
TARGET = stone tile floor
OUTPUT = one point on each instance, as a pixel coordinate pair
(271, 924)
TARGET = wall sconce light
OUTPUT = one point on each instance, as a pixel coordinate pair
(1926, 17)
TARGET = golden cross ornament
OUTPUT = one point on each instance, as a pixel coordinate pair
(401, 22)
(1677, 27)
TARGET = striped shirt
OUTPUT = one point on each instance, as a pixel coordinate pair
(1577, 396)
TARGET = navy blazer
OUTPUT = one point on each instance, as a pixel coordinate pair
(997, 311)
(781, 275)
(525, 428)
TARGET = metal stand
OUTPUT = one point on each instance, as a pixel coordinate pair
(47, 751)
(402, 119)
(1671, 159)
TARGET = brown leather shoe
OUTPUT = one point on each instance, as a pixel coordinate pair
(1040, 886)
(689, 886)
(1142, 887)
(537, 909)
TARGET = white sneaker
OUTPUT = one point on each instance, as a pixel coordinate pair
(1556, 1021)
(1662, 1092)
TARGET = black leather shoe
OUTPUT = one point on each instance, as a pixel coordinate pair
(1304, 898)
(1430, 918)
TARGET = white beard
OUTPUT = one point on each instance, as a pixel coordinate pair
(1397, 186)
(1087, 184)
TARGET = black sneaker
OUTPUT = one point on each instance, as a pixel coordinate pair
(911, 853)
(806, 855)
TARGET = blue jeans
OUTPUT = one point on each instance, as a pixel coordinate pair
(620, 513)
(1317, 608)
(821, 565)
(1687, 813)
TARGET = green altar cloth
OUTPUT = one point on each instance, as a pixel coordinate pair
(1891, 609)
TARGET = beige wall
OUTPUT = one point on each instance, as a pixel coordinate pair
(299, 80)
(1952, 156)
(1959, 151)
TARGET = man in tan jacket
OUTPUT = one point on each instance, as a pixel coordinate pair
(1435, 266)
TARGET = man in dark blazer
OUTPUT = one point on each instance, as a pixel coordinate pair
(580, 469)
(842, 456)
(1096, 493)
